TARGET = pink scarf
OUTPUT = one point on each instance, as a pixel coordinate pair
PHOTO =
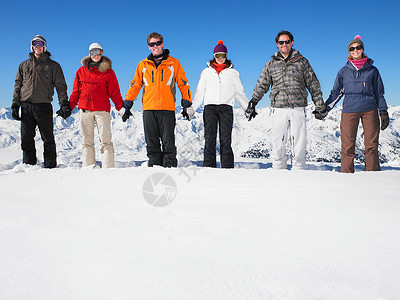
(358, 63)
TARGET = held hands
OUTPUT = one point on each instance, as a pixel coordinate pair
(188, 113)
(320, 112)
(64, 111)
(15, 112)
(187, 109)
(125, 114)
(125, 111)
(384, 119)
(250, 111)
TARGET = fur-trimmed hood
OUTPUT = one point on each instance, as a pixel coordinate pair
(104, 63)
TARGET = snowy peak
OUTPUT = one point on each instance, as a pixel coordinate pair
(250, 139)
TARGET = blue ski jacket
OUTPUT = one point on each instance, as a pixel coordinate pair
(362, 89)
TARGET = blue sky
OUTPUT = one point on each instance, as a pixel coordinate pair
(191, 29)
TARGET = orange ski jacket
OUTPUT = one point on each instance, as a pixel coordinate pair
(159, 84)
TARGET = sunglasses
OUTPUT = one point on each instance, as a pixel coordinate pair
(95, 52)
(155, 44)
(220, 55)
(38, 43)
(355, 48)
(287, 42)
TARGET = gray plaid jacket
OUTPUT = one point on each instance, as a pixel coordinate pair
(289, 80)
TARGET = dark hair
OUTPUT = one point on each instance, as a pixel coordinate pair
(282, 32)
(155, 35)
(228, 62)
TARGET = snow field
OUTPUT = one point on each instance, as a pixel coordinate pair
(86, 233)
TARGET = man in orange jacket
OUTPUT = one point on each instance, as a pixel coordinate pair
(159, 73)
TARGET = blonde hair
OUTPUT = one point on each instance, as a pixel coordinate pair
(362, 56)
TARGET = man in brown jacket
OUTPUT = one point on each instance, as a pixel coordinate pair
(33, 93)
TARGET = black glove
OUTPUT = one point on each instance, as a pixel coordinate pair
(64, 111)
(128, 104)
(15, 112)
(126, 115)
(188, 112)
(187, 109)
(384, 119)
(320, 113)
(184, 113)
(250, 111)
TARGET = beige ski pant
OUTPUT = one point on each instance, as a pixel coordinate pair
(103, 121)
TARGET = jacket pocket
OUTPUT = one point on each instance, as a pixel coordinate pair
(357, 87)
(27, 77)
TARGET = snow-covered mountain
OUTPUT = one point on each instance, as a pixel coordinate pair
(250, 139)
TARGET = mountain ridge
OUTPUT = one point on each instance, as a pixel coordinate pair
(249, 139)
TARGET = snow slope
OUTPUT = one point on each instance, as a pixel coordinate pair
(229, 234)
(246, 233)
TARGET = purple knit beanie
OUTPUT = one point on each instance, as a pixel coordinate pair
(220, 48)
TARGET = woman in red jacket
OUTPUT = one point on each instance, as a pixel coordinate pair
(95, 83)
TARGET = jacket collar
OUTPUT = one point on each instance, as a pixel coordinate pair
(164, 57)
(44, 56)
(104, 63)
(293, 56)
(351, 66)
(209, 64)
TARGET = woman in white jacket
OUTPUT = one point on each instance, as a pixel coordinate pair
(218, 86)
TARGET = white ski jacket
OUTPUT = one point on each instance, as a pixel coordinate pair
(220, 88)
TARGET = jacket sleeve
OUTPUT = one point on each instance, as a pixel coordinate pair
(114, 91)
(337, 91)
(182, 82)
(17, 87)
(379, 91)
(313, 85)
(136, 83)
(263, 83)
(60, 84)
(239, 92)
(73, 100)
(200, 91)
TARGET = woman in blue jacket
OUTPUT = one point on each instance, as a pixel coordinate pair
(359, 81)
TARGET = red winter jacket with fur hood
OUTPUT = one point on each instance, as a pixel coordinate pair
(94, 86)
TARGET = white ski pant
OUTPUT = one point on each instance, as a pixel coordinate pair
(103, 121)
(283, 121)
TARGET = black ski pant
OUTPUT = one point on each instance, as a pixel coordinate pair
(218, 116)
(159, 126)
(40, 115)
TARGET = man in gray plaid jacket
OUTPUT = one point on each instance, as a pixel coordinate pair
(290, 75)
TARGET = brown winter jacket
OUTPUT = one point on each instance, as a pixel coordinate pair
(36, 79)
